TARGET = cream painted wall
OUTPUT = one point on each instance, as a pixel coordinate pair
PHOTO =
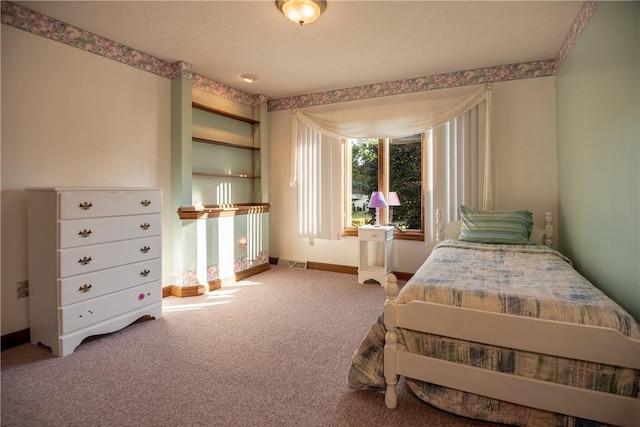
(72, 118)
(524, 135)
(524, 144)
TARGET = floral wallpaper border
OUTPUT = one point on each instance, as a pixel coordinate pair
(53, 29)
(185, 278)
(418, 84)
(583, 18)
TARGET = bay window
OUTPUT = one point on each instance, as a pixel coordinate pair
(390, 165)
(430, 150)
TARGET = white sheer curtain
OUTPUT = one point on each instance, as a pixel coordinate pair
(460, 157)
(315, 179)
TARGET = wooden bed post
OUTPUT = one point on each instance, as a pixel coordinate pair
(548, 229)
(439, 228)
(391, 341)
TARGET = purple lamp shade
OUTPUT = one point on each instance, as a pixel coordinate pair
(393, 199)
(377, 200)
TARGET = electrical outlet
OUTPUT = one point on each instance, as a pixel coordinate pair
(23, 289)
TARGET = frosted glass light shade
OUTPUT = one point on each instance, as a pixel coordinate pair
(302, 11)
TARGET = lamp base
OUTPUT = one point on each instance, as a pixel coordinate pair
(377, 223)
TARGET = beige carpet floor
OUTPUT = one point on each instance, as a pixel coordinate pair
(272, 350)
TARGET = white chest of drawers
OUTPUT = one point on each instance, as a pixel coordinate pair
(94, 261)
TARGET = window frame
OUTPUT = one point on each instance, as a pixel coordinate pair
(383, 185)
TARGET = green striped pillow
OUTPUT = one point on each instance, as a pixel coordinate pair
(503, 227)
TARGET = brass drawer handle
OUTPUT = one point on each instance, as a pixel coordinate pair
(85, 288)
(145, 226)
(85, 206)
(145, 273)
(145, 203)
(145, 249)
(84, 260)
(84, 233)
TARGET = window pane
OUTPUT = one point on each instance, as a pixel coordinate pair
(405, 178)
(364, 179)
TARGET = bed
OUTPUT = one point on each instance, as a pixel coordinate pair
(504, 331)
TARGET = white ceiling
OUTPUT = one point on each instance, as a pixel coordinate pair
(353, 43)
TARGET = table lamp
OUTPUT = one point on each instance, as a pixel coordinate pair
(377, 201)
(394, 200)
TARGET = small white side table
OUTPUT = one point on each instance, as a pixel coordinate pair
(375, 253)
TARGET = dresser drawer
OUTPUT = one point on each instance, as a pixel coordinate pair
(85, 259)
(80, 232)
(92, 285)
(83, 314)
(380, 234)
(91, 204)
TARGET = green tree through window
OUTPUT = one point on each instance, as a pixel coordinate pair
(386, 165)
(405, 178)
(364, 178)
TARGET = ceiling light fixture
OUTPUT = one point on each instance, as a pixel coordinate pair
(249, 78)
(301, 11)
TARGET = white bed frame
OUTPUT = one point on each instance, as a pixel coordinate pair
(575, 341)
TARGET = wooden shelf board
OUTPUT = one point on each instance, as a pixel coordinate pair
(224, 113)
(222, 143)
(216, 211)
(224, 175)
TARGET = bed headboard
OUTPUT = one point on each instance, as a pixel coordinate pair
(451, 230)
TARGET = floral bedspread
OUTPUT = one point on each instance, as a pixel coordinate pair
(524, 280)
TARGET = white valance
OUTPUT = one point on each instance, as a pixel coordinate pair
(392, 116)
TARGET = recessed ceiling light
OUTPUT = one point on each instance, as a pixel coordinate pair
(249, 78)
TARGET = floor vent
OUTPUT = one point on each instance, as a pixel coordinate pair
(292, 263)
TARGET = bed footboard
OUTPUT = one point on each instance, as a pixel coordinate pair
(562, 339)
